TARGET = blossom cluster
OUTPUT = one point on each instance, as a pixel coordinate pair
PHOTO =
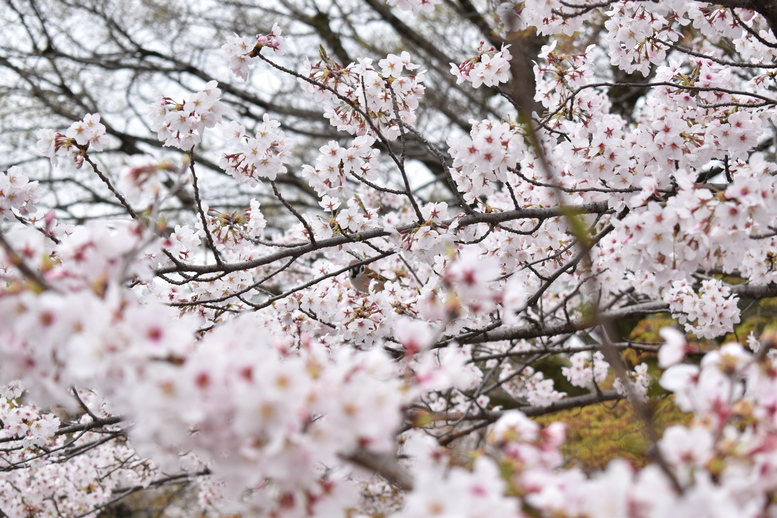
(363, 99)
(714, 467)
(86, 330)
(662, 242)
(260, 157)
(529, 384)
(485, 156)
(88, 133)
(541, 231)
(17, 194)
(26, 422)
(559, 74)
(644, 45)
(709, 313)
(267, 412)
(181, 124)
(586, 368)
(469, 282)
(335, 164)
(490, 67)
(67, 484)
(241, 50)
(443, 489)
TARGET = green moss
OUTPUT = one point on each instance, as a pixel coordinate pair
(599, 433)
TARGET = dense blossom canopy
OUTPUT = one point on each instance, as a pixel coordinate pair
(197, 319)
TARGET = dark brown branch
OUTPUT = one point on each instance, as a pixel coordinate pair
(383, 464)
(480, 217)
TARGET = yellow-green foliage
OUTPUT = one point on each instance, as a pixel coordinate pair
(597, 434)
(647, 329)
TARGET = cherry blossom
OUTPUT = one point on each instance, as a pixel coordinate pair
(361, 100)
(260, 157)
(181, 124)
(489, 68)
(586, 368)
(241, 50)
(17, 194)
(80, 136)
(208, 330)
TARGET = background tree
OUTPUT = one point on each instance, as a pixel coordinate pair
(519, 184)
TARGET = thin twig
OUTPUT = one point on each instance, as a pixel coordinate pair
(203, 218)
(297, 215)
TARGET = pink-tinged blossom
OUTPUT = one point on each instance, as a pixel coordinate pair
(241, 51)
(336, 164)
(455, 491)
(275, 402)
(393, 65)
(490, 67)
(81, 136)
(712, 389)
(687, 448)
(471, 278)
(445, 368)
(709, 313)
(528, 384)
(17, 194)
(674, 349)
(350, 219)
(181, 124)
(273, 41)
(586, 368)
(259, 157)
(389, 100)
(414, 336)
(183, 243)
(677, 379)
(485, 156)
(237, 49)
